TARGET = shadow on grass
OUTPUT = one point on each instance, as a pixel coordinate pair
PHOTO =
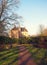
(43, 61)
(14, 51)
(7, 57)
(13, 61)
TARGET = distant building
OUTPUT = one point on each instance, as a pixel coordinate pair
(24, 32)
(18, 32)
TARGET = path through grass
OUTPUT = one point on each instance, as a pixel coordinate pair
(10, 57)
(39, 54)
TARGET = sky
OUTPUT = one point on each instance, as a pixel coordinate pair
(34, 13)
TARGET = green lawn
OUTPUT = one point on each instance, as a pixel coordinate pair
(38, 54)
(9, 57)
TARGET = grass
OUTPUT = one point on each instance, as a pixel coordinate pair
(38, 54)
(9, 57)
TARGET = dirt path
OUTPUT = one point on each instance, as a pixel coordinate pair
(25, 57)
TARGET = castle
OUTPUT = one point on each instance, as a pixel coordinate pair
(18, 32)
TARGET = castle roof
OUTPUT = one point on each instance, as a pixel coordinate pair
(22, 28)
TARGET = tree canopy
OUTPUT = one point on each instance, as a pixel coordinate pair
(8, 15)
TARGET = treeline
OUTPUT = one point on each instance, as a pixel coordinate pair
(39, 41)
(24, 40)
(7, 40)
(34, 40)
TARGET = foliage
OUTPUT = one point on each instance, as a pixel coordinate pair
(23, 40)
(7, 40)
(7, 15)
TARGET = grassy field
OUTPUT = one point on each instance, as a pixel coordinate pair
(9, 57)
(38, 54)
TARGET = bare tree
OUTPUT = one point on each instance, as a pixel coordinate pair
(45, 32)
(7, 14)
(41, 28)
